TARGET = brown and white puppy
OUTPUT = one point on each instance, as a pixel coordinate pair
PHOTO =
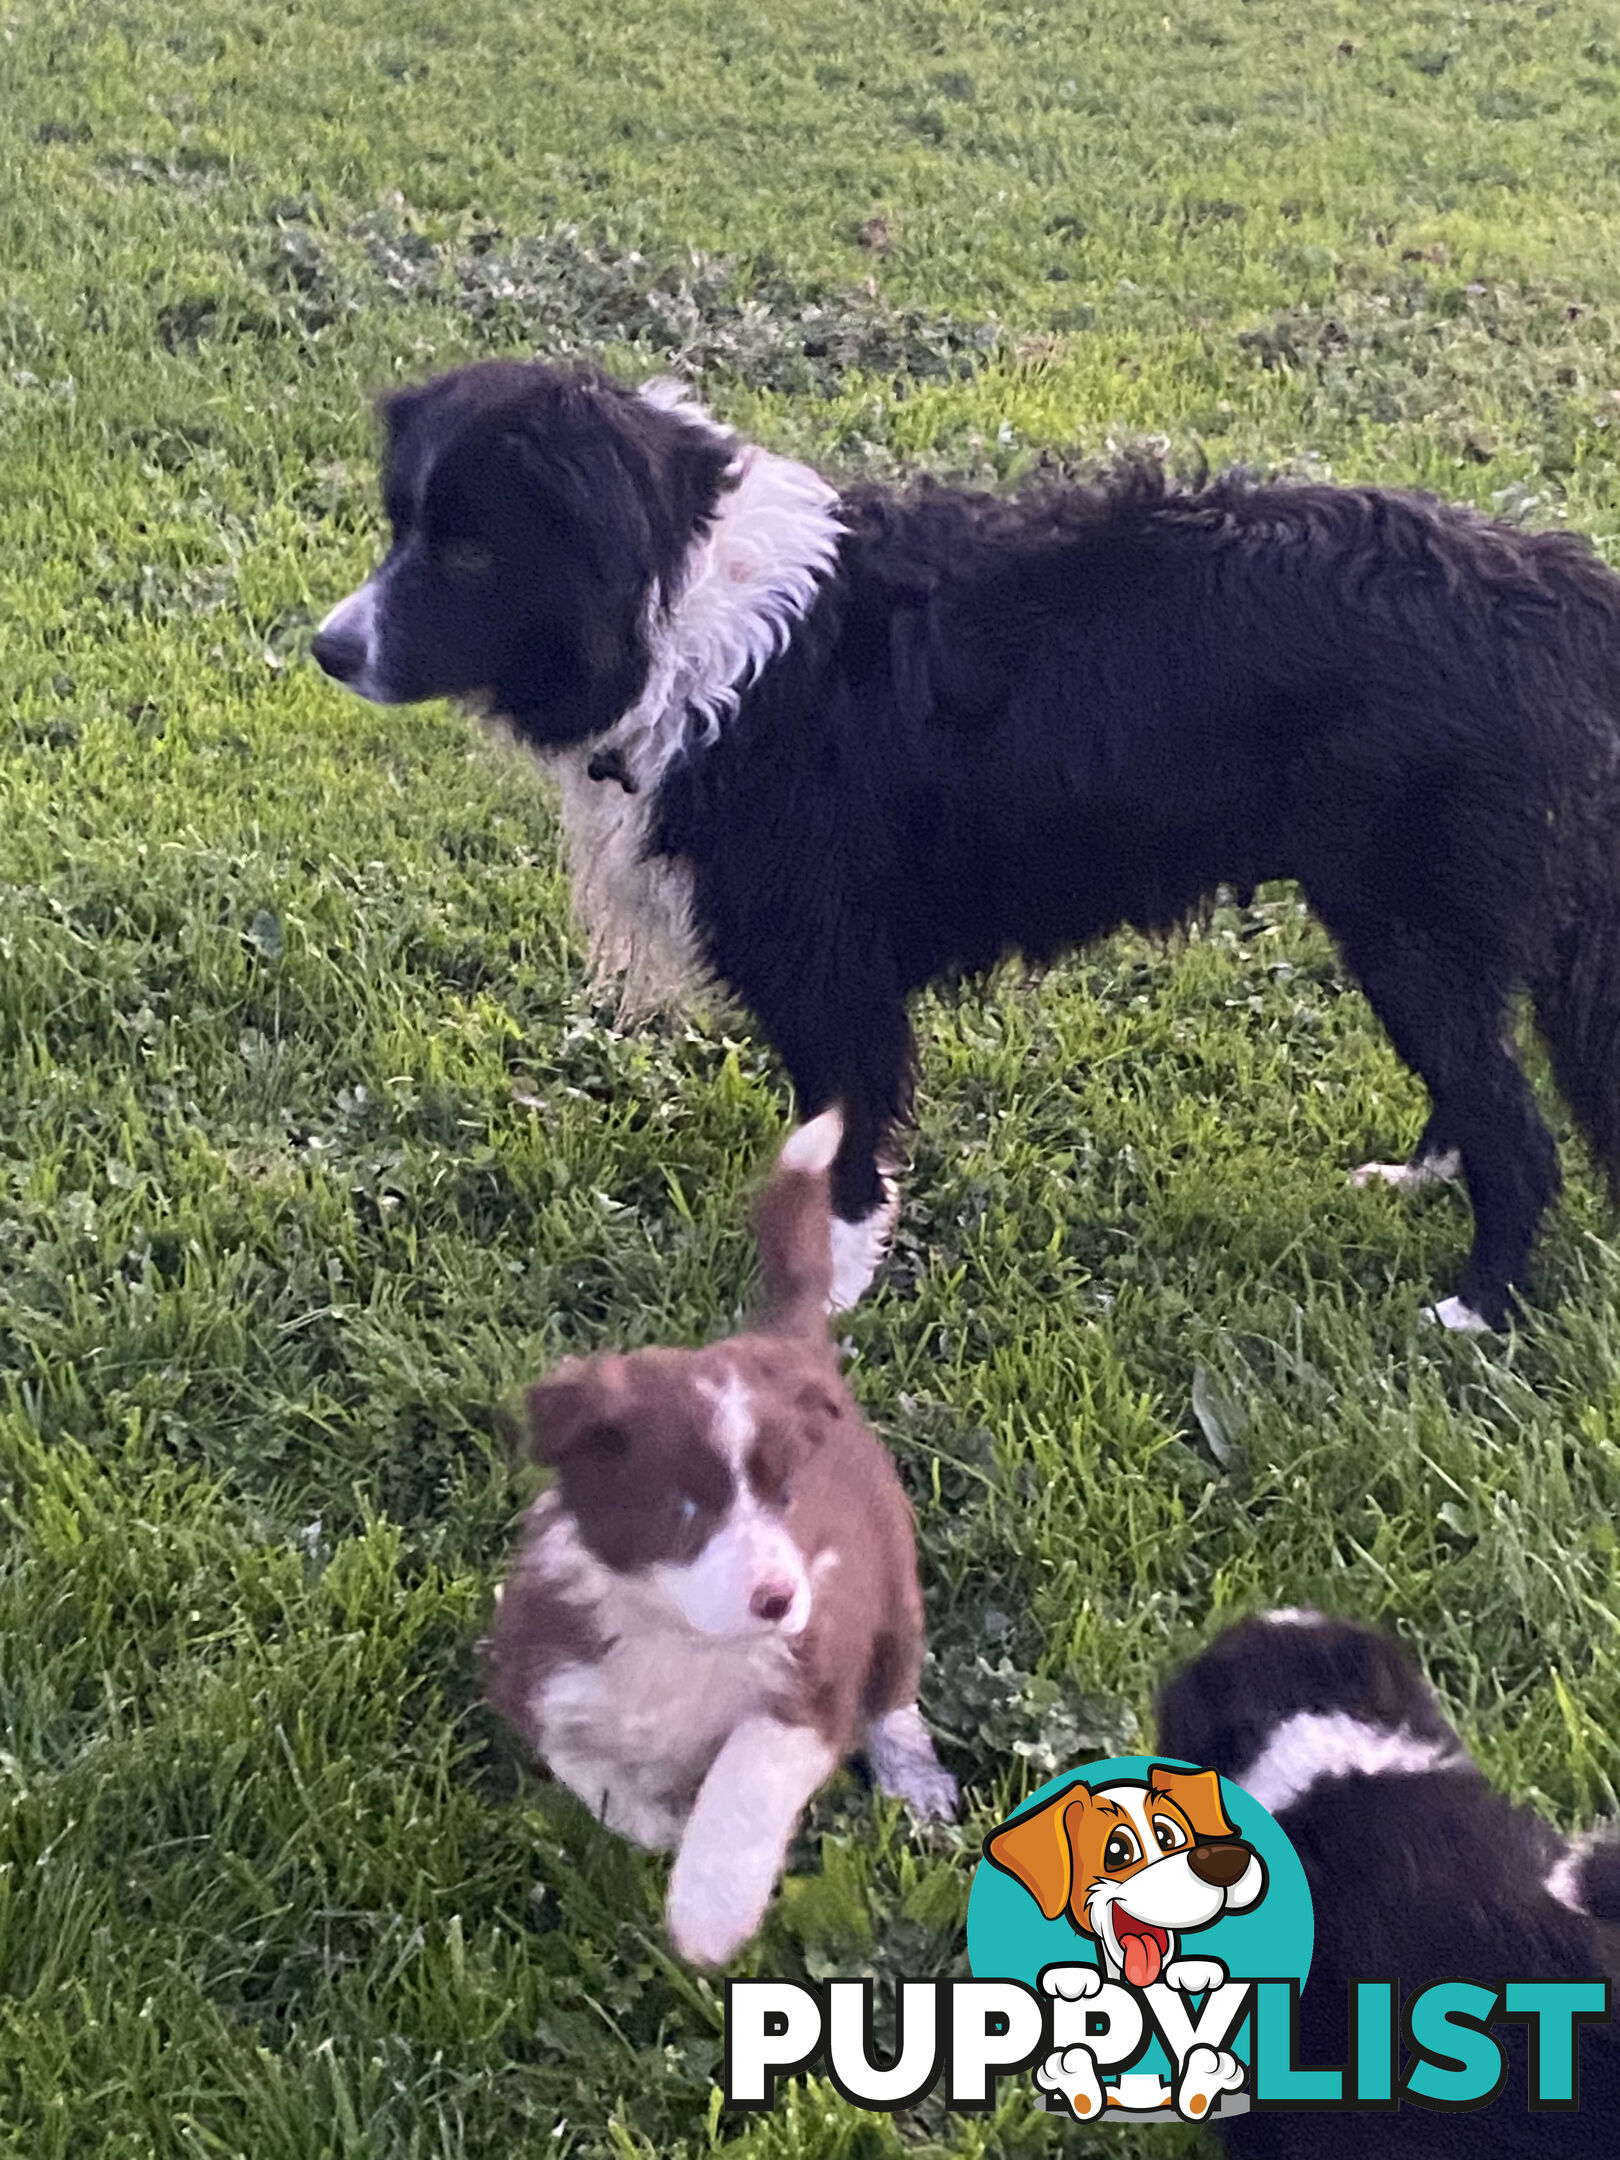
(716, 1601)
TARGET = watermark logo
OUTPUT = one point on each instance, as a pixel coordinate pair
(1138, 1934)
(1144, 1900)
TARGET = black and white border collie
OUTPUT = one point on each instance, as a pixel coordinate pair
(1418, 1871)
(824, 748)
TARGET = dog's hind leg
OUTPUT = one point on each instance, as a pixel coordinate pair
(1434, 1161)
(1450, 1025)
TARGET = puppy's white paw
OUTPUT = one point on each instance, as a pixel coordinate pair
(1072, 2071)
(706, 1930)
(904, 1763)
(1194, 1976)
(1458, 1318)
(1205, 2075)
(1072, 1983)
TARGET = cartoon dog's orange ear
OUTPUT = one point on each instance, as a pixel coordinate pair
(1198, 1795)
(1034, 1850)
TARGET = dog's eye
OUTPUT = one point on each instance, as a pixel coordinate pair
(465, 558)
(784, 1493)
(1120, 1850)
(1169, 1835)
(689, 1508)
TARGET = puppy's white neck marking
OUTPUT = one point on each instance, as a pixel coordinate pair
(1314, 1748)
(745, 583)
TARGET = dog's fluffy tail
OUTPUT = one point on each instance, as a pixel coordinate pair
(793, 1223)
(1577, 1001)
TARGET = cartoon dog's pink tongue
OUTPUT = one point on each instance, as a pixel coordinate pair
(1142, 1947)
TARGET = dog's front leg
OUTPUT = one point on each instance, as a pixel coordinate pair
(737, 1836)
(863, 1063)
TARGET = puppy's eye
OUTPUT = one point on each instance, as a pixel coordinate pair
(1168, 1835)
(465, 558)
(689, 1508)
(784, 1493)
(1120, 1850)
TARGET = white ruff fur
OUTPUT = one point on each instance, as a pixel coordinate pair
(1312, 1748)
(744, 585)
(634, 1732)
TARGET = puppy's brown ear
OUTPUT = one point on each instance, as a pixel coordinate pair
(793, 1223)
(577, 1405)
(1034, 1850)
(1198, 1795)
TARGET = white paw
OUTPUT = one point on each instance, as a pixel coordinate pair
(1194, 1976)
(1411, 1176)
(904, 1763)
(705, 1929)
(858, 1249)
(1205, 2075)
(1072, 2071)
(1398, 1174)
(1458, 1318)
(1072, 1983)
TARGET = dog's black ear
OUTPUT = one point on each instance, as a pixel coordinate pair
(395, 408)
(578, 1406)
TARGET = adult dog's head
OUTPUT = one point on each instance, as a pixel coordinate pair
(540, 519)
(1135, 1866)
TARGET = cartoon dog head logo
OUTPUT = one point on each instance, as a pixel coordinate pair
(1135, 1866)
(1146, 1902)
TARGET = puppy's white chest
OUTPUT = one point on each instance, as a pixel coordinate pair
(634, 1732)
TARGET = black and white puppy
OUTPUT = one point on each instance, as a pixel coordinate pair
(1417, 1868)
(827, 748)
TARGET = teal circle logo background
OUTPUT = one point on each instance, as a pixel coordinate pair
(1009, 1939)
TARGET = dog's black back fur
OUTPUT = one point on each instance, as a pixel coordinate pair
(1014, 724)
(1420, 1877)
(1034, 721)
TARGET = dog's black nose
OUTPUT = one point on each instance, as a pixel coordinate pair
(1219, 1865)
(340, 653)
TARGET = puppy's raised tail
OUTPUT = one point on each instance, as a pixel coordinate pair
(793, 1224)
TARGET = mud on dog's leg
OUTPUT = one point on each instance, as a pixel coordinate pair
(737, 1836)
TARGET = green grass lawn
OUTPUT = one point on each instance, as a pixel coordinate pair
(315, 1143)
